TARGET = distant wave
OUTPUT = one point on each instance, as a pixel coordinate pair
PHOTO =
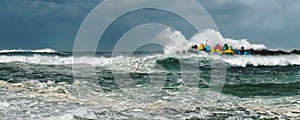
(45, 50)
(281, 60)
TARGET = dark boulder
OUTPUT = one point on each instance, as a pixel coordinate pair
(278, 52)
(296, 52)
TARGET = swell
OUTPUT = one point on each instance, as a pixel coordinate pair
(246, 90)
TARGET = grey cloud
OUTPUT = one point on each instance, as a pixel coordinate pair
(272, 22)
(37, 24)
(54, 23)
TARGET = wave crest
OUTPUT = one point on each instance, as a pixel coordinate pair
(45, 50)
(282, 60)
(127, 62)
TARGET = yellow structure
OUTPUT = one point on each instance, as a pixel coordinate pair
(201, 47)
(212, 50)
(229, 51)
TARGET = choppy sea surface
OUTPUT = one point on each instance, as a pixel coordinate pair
(51, 85)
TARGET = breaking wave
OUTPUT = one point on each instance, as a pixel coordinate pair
(151, 60)
(45, 50)
(282, 60)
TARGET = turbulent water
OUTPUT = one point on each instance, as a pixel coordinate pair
(52, 85)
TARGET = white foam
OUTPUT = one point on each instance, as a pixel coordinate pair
(36, 59)
(124, 63)
(282, 60)
(4, 105)
(83, 113)
(63, 117)
(45, 50)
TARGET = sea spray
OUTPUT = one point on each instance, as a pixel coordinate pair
(175, 42)
(214, 37)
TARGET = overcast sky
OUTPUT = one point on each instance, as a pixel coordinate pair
(35, 24)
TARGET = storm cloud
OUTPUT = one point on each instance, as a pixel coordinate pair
(272, 22)
(34, 24)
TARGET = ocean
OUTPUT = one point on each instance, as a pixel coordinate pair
(51, 85)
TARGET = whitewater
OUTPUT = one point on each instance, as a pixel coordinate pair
(234, 61)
